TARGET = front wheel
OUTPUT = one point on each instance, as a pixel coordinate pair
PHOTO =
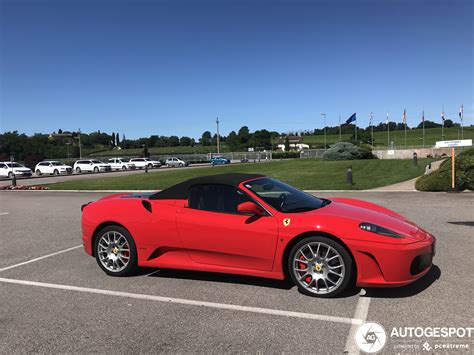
(96, 170)
(115, 251)
(10, 175)
(55, 172)
(320, 267)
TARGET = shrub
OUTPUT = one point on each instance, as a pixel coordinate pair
(285, 155)
(347, 151)
(440, 180)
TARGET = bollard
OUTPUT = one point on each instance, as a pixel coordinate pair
(415, 159)
(146, 168)
(14, 180)
(349, 175)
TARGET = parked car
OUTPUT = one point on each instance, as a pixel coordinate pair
(141, 163)
(52, 167)
(8, 169)
(174, 162)
(121, 164)
(92, 165)
(219, 161)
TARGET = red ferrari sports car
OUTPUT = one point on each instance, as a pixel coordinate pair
(254, 225)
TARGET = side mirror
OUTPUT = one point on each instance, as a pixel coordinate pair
(251, 208)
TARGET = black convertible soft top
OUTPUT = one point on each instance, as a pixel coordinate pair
(180, 191)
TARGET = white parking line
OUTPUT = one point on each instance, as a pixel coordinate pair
(40, 258)
(231, 307)
(4, 213)
(362, 309)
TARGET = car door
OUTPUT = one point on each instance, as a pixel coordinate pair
(215, 233)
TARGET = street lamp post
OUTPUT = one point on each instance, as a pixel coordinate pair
(218, 138)
(324, 120)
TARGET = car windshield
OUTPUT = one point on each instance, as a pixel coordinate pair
(283, 197)
(14, 165)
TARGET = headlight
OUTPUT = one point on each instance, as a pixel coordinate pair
(373, 228)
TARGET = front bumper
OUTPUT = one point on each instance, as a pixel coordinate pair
(390, 265)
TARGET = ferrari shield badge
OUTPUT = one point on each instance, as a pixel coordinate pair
(286, 222)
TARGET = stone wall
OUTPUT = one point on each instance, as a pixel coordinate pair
(408, 153)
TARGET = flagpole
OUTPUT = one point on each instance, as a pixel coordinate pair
(442, 124)
(372, 128)
(461, 115)
(405, 119)
(423, 121)
(355, 126)
(340, 137)
(388, 131)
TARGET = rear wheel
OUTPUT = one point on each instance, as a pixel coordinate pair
(320, 267)
(115, 251)
(38, 172)
(96, 170)
(78, 170)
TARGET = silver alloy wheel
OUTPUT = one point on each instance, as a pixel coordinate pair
(319, 268)
(113, 251)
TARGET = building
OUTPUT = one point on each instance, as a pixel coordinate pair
(296, 143)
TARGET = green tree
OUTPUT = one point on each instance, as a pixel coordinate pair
(185, 141)
(206, 138)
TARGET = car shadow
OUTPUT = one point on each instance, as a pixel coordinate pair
(407, 291)
(218, 277)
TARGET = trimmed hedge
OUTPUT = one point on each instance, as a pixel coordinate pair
(347, 151)
(440, 180)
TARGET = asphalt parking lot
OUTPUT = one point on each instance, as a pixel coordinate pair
(56, 299)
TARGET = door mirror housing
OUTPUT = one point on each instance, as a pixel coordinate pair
(251, 208)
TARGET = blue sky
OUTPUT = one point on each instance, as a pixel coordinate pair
(170, 67)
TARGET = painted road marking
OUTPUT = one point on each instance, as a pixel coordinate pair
(4, 213)
(40, 258)
(230, 307)
(362, 309)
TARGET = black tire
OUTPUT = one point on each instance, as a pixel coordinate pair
(96, 170)
(132, 266)
(150, 166)
(38, 172)
(78, 170)
(55, 172)
(10, 175)
(124, 167)
(346, 259)
(181, 165)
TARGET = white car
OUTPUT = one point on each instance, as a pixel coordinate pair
(121, 164)
(52, 167)
(92, 165)
(174, 162)
(141, 163)
(8, 169)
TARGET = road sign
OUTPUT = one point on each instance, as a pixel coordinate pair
(454, 143)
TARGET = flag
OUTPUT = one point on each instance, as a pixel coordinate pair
(461, 112)
(351, 119)
(387, 118)
(370, 120)
(405, 116)
(442, 115)
(423, 116)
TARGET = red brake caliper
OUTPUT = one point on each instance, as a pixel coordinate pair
(302, 266)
